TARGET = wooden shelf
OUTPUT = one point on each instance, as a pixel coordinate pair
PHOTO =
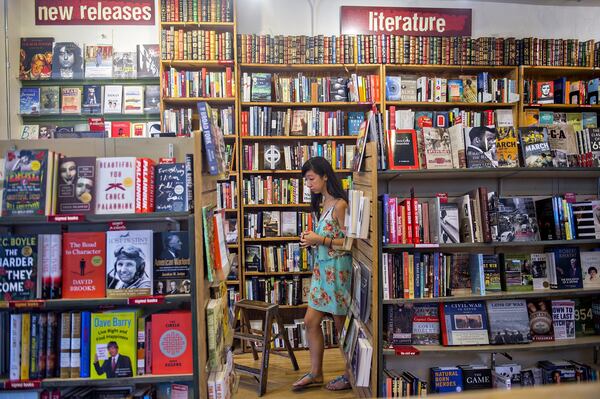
(500, 295)
(296, 138)
(484, 245)
(441, 68)
(196, 63)
(581, 342)
(186, 100)
(301, 306)
(232, 282)
(260, 206)
(228, 210)
(84, 117)
(125, 217)
(309, 67)
(271, 239)
(206, 25)
(233, 246)
(90, 81)
(263, 274)
(582, 107)
(95, 303)
(423, 104)
(284, 172)
(330, 104)
(443, 174)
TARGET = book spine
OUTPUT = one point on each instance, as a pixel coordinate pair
(485, 216)
(25, 345)
(138, 185)
(51, 346)
(86, 319)
(75, 351)
(141, 345)
(65, 345)
(41, 359)
(34, 347)
(148, 358)
(15, 347)
(189, 181)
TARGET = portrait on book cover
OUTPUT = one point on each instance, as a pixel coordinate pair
(129, 269)
(114, 364)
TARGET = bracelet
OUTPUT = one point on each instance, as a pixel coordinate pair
(323, 241)
(330, 243)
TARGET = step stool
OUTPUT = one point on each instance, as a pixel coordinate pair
(243, 331)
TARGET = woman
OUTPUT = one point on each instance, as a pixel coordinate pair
(332, 269)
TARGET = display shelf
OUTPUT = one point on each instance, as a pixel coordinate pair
(271, 239)
(432, 68)
(303, 273)
(204, 25)
(296, 138)
(96, 303)
(76, 118)
(233, 282)
(188, 100)
(309, 67)
(196, 63)
(284, 172)
(125, 217)
(498, 295)
(330, 104)
(90, 81)
(581, 342)
(123, 381)
(483, 245)
(422, 104)
(261, 206)
(581, 107)
(523, 173)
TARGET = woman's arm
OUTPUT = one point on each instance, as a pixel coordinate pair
(339, 214)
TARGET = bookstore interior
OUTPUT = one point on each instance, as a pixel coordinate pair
(402, 199)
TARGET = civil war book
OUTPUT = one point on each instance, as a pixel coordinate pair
(172, 263)
(438, 153)
(425, 324)
(35, 58)
(129, 259)
(67, 61)
(509, 322)
(84, 265)
(400, 319)
(18, 267)
(25, 183)
(76, 190)
(464, 323)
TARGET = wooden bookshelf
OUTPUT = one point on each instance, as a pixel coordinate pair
(489, 173)
(296, 138)
(351, 68)
(423, 104)
(107, 382)
(194, 100)
(485, 245)
(271, 239)
(204, 25)
(261, 206)
(284, 171)
(328, 104)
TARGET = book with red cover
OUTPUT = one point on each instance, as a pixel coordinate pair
(96, 124)
(121, 129)
(172, 343)
(84, 265)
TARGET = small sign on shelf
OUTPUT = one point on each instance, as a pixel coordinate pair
(66, 218)
(406, 350)
(146, 300)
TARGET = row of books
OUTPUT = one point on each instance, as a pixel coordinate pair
(196, 45)
(42, 59)
(269, 121)
(436, 274)
(269, 190)
(561, 91)
(227, 194)
(178, 121)
(276, 224)
(214, 123)
(87, 185)
(277, 258)
(480, 88)
(96, 345)
(283, 291)
(196, 10)
(96, 127)
(266, 87)
(496, 322)
(163, 390)
(269, 156)
(394, 49)
(202, 83)
(357, 348)
(579, 120)
(296, 333)
(217, 260)
(89, 99)
(112, 264)
(404, 118)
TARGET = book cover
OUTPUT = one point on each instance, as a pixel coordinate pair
(25, 182)
(115, 185)
(75, 352)
(299, 123)
(172, 343)
(261, 87)
(481, 147)
(273, 158)
(584, 319)
(545, 92)
(148, 60)
(425, 324)
(455, 90)
(393, 88)
(49, 100)
(98, 61)
(531, 116)
(491, 272)
(47, 131)
(29, 101)
(402, 149)
(563, 319)
(546, 118)
(516, 273)
(129, 259)
(49, 265)
(583, 215)
(589, 120)
(507, 147)
(469, 82)
(590, 265)
(30, 132)
(540, 320)
(446, 379)
(535, 147)
(152, 99)
(457, 142)
(113, 342)
(253, 258)
(172, 263)
(213, 141)
(464, 323)
(408, 88)
(124, 65)
(86, 330)
(231, 230)
(35, 58)
(84, 265)
(539, 271)
(271, 223)
(568, 267)
(517, 220)
(92, 99)
(18, 267)
(354, 121)
(70, 100)
(509, 322)
(113, 98)
(133, 100)
(76, 191)
(338, 88)
(67, 61)
(476, 377)
(460, 277)
(449, 224)
(563, 144)
(438, 153)
(289, 224)
(170, 193)
(121, 129)
(400, 320)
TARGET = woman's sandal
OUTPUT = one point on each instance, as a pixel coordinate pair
(312, 382)
(340, 383)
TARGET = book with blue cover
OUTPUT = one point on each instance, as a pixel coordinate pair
(464, 323)
(354, 121)
(261, 87)
(566, 261)
(29, 101)
(446, 379)
(212, 140)
(393, 88)
(170, 193)
(86, 325)
(592, 93)
(92, 99)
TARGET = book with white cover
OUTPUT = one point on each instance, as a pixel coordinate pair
(115, 185)
(133, 100)
(113, 99)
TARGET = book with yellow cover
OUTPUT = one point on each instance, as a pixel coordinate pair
(113, 345)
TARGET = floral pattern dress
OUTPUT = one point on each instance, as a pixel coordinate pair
(332, 271)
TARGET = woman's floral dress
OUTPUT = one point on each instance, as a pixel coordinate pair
(332, 271)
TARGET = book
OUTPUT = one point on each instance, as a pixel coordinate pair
(129, 259)
(448, 223)
(563, 144)
(113, 98)
(408, 88)
(70, 100)
(46, 131)
(26, 183)
(393, 88)
(289, 224)
(76, 191)
(517, 220)
(446, 379)
(148, 60)
(425, 324)
(590, 264)
(563, 319)
(539, 271)
(507, 147)
(86, 330)
(545, 92)
(540, 320)
(532, 117)
(272, 157)
(567, 265)
(584, 319)
(546, 118)
(457, 140)
(481, 147)
(120, 129)
(18, 266)
(92, 99)
(402, 149)
(213, 141)
(535, 148)
(67, 61)
(115, 185)
(261, 87)
(35, 58)
(171, 263)
(509, 322)
(84, 265)
(271, 223)
(75, 352)
(170, 194)
(49, 100)
(455, 90)
(30, 132)
(438, 153)
(113, 342)
(29, 101)
(469, 94)
(124, 65)
(133, 100)
(253, 258)
(98, 61)
(152, 99)
(172, 343)
(476, 377)
(354, 121)
(464, 323)
(516, 273)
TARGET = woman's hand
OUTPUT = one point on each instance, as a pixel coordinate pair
(309, 238)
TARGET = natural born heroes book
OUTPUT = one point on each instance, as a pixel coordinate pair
(464, 323)
(129, 258)
(84, 265)
(18, 267)
(76, 191)
(112, 334)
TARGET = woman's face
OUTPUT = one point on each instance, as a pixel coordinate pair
(66, 57)
(315, 183)
(68, 170)
(126, 269)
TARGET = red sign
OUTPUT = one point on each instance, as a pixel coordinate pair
(405, 21)
(33, 384)
(94, 12)
(27, 304)
(66, 218)
(146, 300)
(117, 226)
(406, 350)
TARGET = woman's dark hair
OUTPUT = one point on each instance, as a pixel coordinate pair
(322, 167)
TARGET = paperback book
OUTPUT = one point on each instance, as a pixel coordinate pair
(113, 341)
(563, 316)
(148, 60)
(170, 193)
(98, 61)
(464, 323)
(92, 99)
(49, 100)
(84, 265)
(509, 322)
(25, 183)
(29, 101)
(172, 345)
(481, 147)
(540, 320)
(35, 58)
(70, 100)
(115, 185)
(129, 258)
(124, 65)
(18, 267)
(67, 61)
(76, 191)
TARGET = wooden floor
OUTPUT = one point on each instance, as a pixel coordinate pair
(282, 376)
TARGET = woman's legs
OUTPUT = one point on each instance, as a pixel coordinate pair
(314, 333)
(339, 383)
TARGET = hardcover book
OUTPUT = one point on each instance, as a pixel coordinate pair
(438, 153)
(133, 100)
(261, 87)
(49, 100)
(98, 61)
(464, 323)
(481, 147)
(30, 132)
(509, 322)
(253, 258)
(535, 148)
(476, 377)
(18, 267)
(299, 124)
(491, 272)
(515, 271)
(590, 265)
(539, 271)
(129, 259)
(170, 193)
(400, 318)
(76, 191)
(563, 144)
(67, 61)
(402, 149)
(507, 147)
(113, 97)
(425, 324)
(84, 265)
(171, 263)
(29, 101)
(113, 343)
(152, 99)
(393, 88)
(172, 343)
(455, 90)
(124, 65)
(47, 131)
(446, 379)
(354, 121)
(540, 320)
(567, 263)
(115, 185)
(584, 318)
(563, 317)
(449, 224)
(148, 61)
(517, 220)
(35, 58)
(289, 224)
(92, 99)
(469, 94)
(70, 100)
(120, 129)
(338, 89)
(546, 118)
(25, 183)
(408, 88)
(271, 224)
(545, 92)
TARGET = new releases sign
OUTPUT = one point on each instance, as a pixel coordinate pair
(94, 12)
(405, 21)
